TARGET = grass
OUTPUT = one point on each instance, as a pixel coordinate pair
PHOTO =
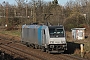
(18, 33)
(11, 32)
(86, 42)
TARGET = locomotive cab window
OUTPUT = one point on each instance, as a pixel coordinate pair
(56, 32)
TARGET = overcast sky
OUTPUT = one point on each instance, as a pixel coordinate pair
(61, 2)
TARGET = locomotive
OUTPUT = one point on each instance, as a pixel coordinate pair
(46, 38)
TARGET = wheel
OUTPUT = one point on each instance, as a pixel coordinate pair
(43, 49)
(33, 46)
(36, 46)
(48, 51)
(27, 45)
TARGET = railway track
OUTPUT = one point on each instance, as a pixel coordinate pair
(18, 52)
(17, 49)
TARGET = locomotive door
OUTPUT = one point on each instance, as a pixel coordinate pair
(43, 37)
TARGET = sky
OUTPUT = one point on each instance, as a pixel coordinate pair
(61, 2)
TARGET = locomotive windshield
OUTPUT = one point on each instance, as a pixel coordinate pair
(56, 32)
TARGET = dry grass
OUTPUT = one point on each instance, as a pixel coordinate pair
(72, 44)
(11, 32)
(86, 43)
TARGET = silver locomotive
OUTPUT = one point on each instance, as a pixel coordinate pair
(46, 38)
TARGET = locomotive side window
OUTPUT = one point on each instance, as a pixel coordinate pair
(44, 31)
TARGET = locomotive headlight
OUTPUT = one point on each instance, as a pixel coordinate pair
(51, 46)
(63, 42)
(64, 45)
(51, 42)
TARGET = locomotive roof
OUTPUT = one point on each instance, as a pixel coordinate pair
(61, 26)
(34, 26)
(30, 26)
